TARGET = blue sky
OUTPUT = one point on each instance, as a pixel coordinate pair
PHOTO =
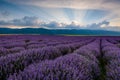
(60, 14)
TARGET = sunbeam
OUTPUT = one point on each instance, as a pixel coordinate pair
(74, 14)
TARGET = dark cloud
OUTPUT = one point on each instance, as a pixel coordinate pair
(73, 25)
(113, 1)
(5, 13)
(52, 24)
(4, 23)
(25, 21)
(56, 25)
(104, 22)
(98, 25)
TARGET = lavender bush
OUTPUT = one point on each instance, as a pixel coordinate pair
(38, 57)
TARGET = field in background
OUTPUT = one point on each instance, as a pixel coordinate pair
(38, 57)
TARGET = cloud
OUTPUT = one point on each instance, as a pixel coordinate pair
(100, 25)
(73, 25)
(5, 13)
(111, 6)
(25, 21)
(52, 24)
(104, 22)
(57, 25)
(35, 22)
(79, 4)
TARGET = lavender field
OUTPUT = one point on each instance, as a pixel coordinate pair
(37, 57)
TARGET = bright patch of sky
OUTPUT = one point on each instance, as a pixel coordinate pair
(61, 13)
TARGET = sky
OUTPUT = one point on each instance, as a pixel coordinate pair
(60, 14)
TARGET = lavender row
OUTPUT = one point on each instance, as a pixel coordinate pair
(89, 71)
(4, 51)
(13, 44)
(112, 56)
(50, 44)
(69, 67)
(36, 39)
(15, 62)
(91, 50)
